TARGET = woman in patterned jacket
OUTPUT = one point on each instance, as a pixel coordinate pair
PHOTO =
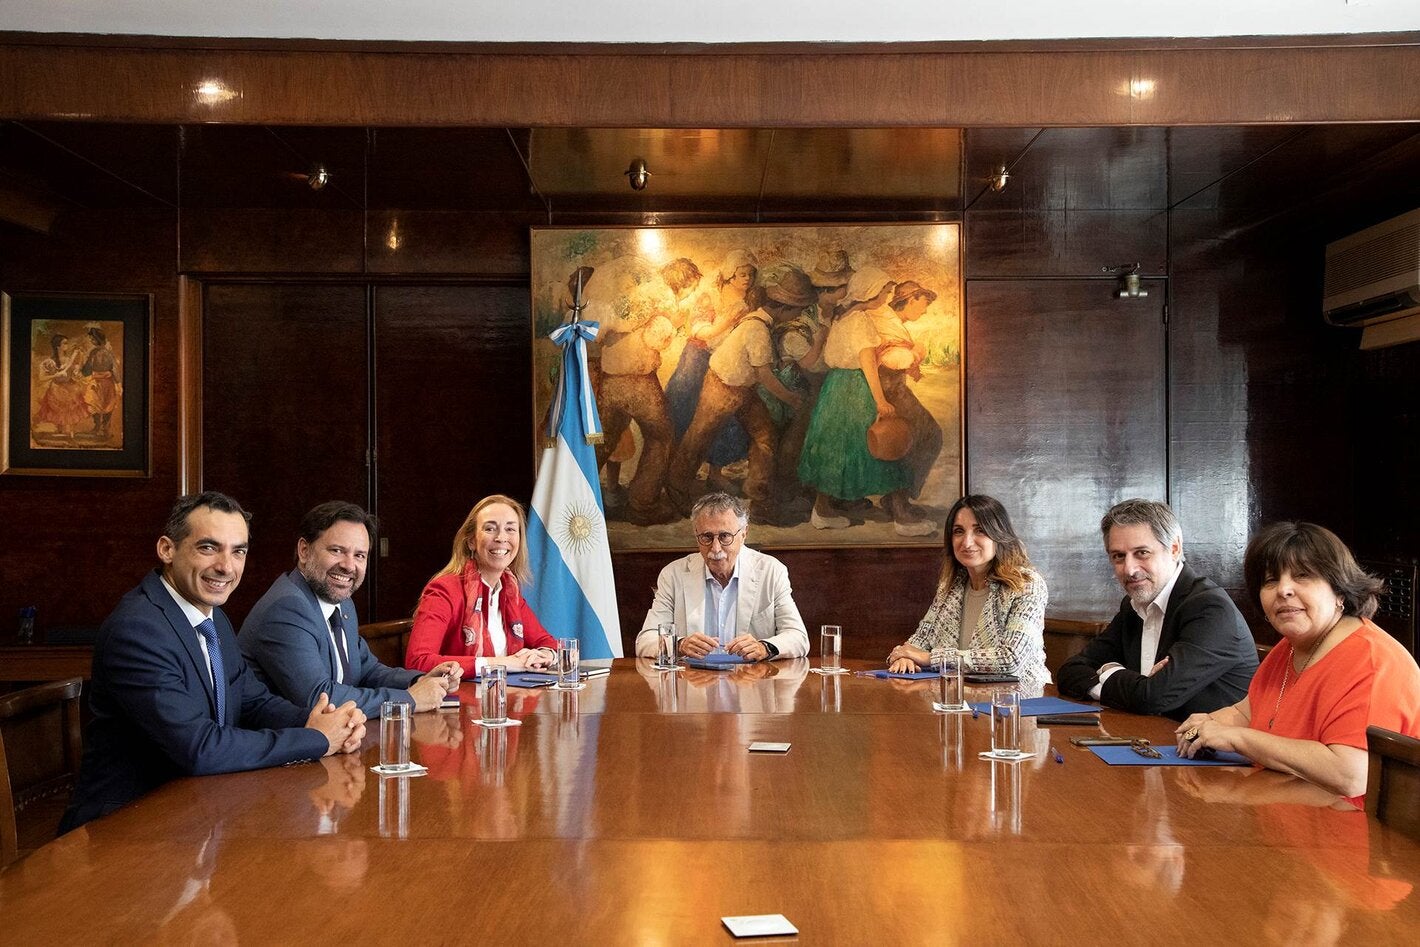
(990, 601)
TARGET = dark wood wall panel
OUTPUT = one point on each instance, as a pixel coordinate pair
(1060, 84)
(71, 546)
(1065, 417)
(405, 242)
(454, 420)
(1065, 243)
(285, 412)
(259, 240)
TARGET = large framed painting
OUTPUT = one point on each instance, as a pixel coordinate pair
(814, 371)
(75, 396)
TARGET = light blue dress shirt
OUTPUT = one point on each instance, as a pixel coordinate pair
(721, 622)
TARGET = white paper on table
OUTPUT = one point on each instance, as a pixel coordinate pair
(759, 925)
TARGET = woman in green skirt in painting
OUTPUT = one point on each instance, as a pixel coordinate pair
(836, 461)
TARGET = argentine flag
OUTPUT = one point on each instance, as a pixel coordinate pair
(573, 591)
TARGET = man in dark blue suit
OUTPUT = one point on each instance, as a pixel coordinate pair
(171, 695)
(303, 637)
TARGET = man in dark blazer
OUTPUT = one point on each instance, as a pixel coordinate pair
(1178, 645)
(303, 637)
(171, 695)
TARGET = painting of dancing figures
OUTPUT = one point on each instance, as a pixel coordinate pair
(814, 371)
(76, 387)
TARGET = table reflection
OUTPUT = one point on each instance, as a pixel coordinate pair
(765, 687)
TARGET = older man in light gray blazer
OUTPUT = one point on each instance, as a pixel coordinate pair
(726, 596)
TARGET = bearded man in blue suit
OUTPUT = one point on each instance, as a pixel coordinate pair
(303, 637)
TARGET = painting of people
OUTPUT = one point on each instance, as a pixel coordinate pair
(76, 384)
(75, 391)
(814, 371)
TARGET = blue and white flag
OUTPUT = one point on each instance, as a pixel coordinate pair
(573, 590)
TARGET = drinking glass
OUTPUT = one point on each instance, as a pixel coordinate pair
(394, 735)
(950, 697)
(665, 652)
(1006, 723)
(495, 695)
(394, 807)
(568, 664)
(830, 645)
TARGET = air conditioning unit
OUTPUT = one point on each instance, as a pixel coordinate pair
(1373, 277)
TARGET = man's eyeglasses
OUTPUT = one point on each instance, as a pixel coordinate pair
(707, 539)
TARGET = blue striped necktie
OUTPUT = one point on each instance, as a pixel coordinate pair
(219, 672)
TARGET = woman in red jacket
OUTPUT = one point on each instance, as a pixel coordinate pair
(473, 611)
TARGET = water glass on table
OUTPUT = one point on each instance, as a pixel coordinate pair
(666, 647)
(950, 692)
(1006, 724)
(495, 696)
(569, 665)
(394, 735)
(830, 649)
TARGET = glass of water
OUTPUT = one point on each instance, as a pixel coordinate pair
(665, 651)
(830, 648)
(569, 666)
(394, 735)
(495, 695)
(950, 698)
(1006, 724)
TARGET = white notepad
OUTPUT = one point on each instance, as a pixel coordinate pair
(759, 746)
(759, 925)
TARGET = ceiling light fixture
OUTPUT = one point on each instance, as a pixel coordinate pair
(638, 174)
(318, 178)
(1000, 179)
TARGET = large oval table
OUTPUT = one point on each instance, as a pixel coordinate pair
(631, 812)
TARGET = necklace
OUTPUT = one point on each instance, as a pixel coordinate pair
(1287, 673)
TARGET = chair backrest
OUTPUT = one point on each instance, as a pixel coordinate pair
(388, 639)
(40, 749)
(1393, 785)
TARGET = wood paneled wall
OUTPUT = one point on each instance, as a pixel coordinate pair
(72, 545)
(1060, 83)
(1252, 373)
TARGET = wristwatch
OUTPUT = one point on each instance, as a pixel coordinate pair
(771, 652)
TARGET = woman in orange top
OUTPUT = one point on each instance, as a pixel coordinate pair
(1333, 674)
(473, 611)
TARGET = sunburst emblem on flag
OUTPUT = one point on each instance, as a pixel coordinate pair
(580, 526)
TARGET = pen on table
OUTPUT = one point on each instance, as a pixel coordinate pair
(1056, 753)
(975, 713)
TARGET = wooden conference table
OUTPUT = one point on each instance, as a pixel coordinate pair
(631, 812)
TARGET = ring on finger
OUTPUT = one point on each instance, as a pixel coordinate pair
(1190, 734)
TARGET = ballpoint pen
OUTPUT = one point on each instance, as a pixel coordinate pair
(1056, 753)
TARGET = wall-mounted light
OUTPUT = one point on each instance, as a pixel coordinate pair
(638, 174)
(393, 238)
(318, 178)
(1000, 179)
(1128, 286)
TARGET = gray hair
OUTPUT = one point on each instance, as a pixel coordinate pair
(712, 503)
(1151, 513)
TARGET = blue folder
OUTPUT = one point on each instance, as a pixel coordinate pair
(906, 675)
(716, 661)
(526, 679)
(1168, 756)
(1035, 706)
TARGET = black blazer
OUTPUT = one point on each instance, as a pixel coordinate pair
(1211, 652)
(155, 710)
